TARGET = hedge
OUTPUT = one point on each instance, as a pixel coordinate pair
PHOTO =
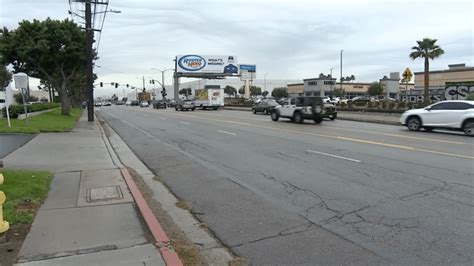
(18, 109)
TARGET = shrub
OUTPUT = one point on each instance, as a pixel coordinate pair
(391, 105)
(343, 104)
(18, 109)
(401, 105)
(383, 104)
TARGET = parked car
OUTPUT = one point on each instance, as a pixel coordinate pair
(98, 104)
(160, 104)
(107, 104)
(327, 99)
(265, 106)
(185, 105)
(456, 115)
(360, 99)
(135, 103)
(120, 103)
(330, 111)
(144, 104)
(300, 108)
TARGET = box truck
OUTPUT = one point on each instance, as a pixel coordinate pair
(211, 96)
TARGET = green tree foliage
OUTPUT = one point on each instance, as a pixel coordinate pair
(375, 89)
(5, 76)
(265, 93)
(280, 92)
(19, 99)
(426, 49)
(51, 50)
(349, 78)
(229, 90)
(242, 90)
(254, 91)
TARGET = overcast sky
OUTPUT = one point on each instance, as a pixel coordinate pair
(288, 39)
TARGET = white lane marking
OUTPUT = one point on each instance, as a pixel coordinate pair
(332, 155)
(184, 123)
(225, 132)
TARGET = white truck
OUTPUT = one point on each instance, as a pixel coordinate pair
(212, 96)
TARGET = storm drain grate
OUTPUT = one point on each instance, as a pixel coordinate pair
(104, 193)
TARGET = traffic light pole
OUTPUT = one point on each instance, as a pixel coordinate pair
(89, 74)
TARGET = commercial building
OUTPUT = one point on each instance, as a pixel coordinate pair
(325, 86)
(456, 82)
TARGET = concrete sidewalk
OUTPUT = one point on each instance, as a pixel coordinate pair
(89, 216)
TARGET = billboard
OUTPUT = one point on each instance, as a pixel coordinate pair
(207, 64)
(248, 72)
(458, 90)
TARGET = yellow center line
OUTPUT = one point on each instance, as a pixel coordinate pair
(325, 136)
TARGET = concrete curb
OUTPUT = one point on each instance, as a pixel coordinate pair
(162, 241)
(209, 247)
(369, 121)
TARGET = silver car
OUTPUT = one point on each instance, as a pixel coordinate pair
(185, 105)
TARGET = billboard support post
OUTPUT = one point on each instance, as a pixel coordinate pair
(176, 79)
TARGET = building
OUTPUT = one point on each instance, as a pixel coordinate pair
(456, 82)
(315, 86)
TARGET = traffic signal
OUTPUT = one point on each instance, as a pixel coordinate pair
(102, 84)
(116, 85)
(152, 81)
(127, 85)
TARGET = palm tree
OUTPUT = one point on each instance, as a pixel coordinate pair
(427, 49)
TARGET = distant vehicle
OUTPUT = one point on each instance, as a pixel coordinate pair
(265, 106)
(343, 100)
(107, 104)
(171, 103)
(301, 108)
(209, 97)
(144, 96)
(144, 104)
(457, 115)
(120, 103)
(330, 111)
(135, 103)
(128, 103)
(98, 104)
(185, 105)
(160, 104)
(360, 99)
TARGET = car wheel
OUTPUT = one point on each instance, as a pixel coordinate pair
(413, 123)
(275, 116)
(176, 108)
(332, 117)
(318, 120)
(468, 128)
(428, 128)
(254, 110)
(298, 118)
(215, 108)
(193, 109)
(265, 111)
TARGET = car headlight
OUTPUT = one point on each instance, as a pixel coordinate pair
(317, 109)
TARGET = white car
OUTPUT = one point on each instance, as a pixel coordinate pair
(144, 104)
(457, 115)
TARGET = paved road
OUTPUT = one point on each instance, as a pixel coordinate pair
(337, 193)
(11, 142)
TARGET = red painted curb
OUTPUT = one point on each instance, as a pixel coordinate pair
(169, 256)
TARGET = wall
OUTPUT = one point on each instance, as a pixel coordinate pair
(439, 78)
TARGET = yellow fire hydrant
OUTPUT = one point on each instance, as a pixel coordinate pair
(4, 226)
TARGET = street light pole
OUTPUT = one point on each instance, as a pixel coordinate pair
(265, 82)
(330, 84)
(340, 80)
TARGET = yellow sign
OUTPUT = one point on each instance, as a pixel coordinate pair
(4, 226)
(407, 74)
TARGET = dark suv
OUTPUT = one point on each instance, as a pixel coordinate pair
(300, 108)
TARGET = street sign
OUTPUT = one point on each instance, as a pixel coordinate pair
(407, 75)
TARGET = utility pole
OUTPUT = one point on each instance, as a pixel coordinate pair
(330, 84)
(340, 80)
(143, 83)
(176, 79)
(265, 82)
(89, 74)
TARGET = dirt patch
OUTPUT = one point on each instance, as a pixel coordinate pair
(187, 252)
(15, 237)
(183, 205)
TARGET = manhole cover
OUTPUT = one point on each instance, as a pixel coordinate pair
(104, 193)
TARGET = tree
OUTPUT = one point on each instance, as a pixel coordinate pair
(280, 92)
(426, 49)
(5, 77)
(375, 89)
(229, 90)
(51, 50)
(242, 90)
(348, 78)
(254, 91)
(265, 93)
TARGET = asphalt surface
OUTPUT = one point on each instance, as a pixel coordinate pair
(11, 142)
(341, 192)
